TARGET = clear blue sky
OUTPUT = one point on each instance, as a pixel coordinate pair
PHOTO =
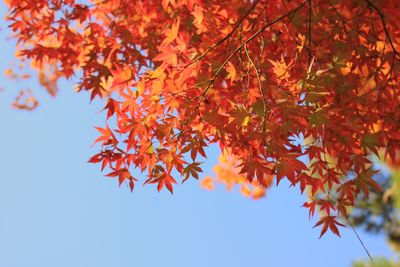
(58, 210)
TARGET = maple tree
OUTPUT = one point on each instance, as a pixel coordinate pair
(300, 90)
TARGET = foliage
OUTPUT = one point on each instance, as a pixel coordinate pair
(380, 213)
(228, 173)
(296, 90)
(376, 263)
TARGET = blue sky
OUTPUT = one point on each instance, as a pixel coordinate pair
(58, 210)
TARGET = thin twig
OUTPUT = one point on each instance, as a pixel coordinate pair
(239, 22)
(382, 18)
(242, 44)
(359, 239)
(212, 80)
(96, 4)
(259, 85)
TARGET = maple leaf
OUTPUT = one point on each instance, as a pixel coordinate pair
(364, 180)
(165, 179)
(311, 206)
(112, 106)
(121, 76)
(207, 183)
(245, 190)
(165, 3)
(274, 90)
(280, 68)
(228, 172)
(171, 34)
(302, 41)
(231, 71)
(329, 222)
(289, 166)
(198, 14)
(25, 100)
(107, 136)
(371, 142)
(193, 170)
(258, 192)
(167, 55)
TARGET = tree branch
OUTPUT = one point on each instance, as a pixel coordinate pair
(260, 87)
(227, 36)
(382, 18)
(241, 46)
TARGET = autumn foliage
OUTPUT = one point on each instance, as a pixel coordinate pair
(300, 90)
(228, 173)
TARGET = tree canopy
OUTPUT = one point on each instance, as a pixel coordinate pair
(300, 90)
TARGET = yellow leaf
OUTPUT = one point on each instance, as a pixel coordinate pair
(8, 72)
(302, 40)
(258, 192)
(150, 149)
(121, 76)
(140, 87)
(198, 14)
(159, 72)
(246, 121)
(207, 183)
(231, 71)
(280, 68)
(172, 33)
(245, 190)
(164, 4)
